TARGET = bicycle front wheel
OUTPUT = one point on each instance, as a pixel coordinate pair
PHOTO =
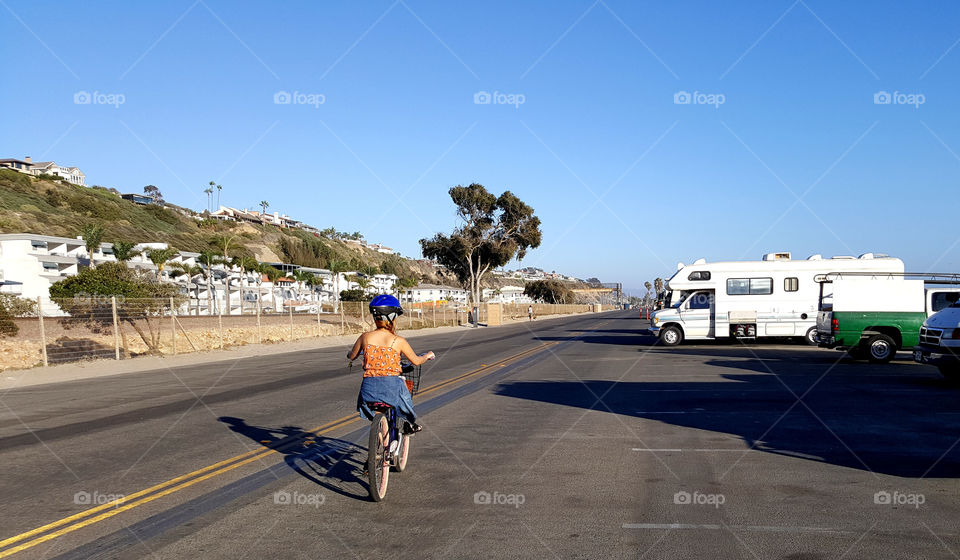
(378, 469)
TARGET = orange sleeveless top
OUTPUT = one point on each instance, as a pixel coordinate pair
(380, 361)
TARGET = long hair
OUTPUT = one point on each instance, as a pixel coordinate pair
(384, 324)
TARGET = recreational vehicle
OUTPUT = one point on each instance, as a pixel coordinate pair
(774, 297)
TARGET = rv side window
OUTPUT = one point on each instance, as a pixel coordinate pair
(749, 286)
(699, 275)
(791, 284)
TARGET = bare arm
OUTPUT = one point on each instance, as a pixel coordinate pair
(409, 354)
(355, 351)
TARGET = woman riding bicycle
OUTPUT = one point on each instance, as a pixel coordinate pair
(381, 349)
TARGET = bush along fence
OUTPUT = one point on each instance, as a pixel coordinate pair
(116, 328)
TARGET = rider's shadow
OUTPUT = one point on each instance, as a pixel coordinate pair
(332, 463)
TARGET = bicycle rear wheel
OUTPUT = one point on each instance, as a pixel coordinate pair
(402, 453)
(378, 470)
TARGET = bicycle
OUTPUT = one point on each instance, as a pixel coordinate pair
(388, 447)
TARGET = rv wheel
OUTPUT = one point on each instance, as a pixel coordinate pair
(811, 336)
(671, 336)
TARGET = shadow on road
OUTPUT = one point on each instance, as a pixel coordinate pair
(332, 463)
(895, 425)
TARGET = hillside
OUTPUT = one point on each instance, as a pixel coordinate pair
(52, 207)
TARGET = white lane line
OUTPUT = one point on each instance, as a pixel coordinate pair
(711, 527)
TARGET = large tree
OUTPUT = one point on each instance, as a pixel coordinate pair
(141, 300)
(493, 230)
(549, 291)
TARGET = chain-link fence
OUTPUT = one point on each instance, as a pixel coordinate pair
(103, 327)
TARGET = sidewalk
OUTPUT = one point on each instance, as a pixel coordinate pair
(104, 368)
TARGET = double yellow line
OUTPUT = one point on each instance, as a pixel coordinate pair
(115, 507)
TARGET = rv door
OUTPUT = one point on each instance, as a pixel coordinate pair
(698, 312)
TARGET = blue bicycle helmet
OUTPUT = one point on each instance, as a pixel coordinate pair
(385, 307)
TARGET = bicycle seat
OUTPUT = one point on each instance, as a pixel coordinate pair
(379, 405)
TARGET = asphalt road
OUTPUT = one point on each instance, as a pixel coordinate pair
(569, 438)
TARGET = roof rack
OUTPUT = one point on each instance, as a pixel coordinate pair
(944, 278)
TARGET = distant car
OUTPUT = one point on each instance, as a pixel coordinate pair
(940, 342)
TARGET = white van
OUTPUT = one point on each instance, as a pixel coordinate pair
(773, 297)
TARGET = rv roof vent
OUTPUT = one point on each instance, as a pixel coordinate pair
(700, 261)
(815, 258)
(843, 257)
(881, 256)
(866, 256)
(777, 257)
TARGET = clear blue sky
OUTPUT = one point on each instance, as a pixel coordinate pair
(674, 181)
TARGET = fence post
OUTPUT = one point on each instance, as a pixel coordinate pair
(220, 322)
(259, 327)
(116, 333)
(342, 326)
(173, 326)
(319, 330)
(43, 333)
(290, 308)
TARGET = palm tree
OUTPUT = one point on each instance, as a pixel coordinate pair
(362, 281)
(208, 259)
(303, 278)
(264, 205)
(92, 235)
(273, 274)
(159, 257)
(209, 191)
(225, 241)
(219, 188)
(246, 265)
(123, 251)
(337, 267)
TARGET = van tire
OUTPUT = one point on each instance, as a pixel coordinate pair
(811, 337)
(880, 349)
(671, 336)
